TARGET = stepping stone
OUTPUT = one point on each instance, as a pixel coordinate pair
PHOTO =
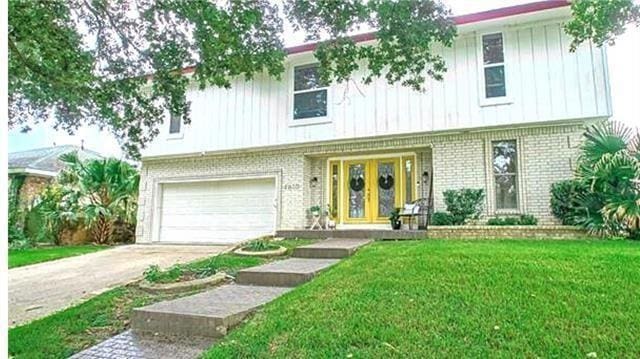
(330, 248)
(208, 314)
(285, 273)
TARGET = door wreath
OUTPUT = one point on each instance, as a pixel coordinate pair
(385, 181)
(356, 184)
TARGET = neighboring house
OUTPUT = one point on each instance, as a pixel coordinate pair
(508, 118)
(39, 167)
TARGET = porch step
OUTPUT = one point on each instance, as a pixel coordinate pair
(286, 273)
(330, 248)
(208, 314)
(352, 233)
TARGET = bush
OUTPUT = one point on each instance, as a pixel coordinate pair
(464, 204)
(565, 203)
(17, 239)
(260, 245)
(442, 219)
(154, 274)
(523, 220)
(528, 220)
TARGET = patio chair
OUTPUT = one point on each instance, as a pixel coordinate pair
(416, 209)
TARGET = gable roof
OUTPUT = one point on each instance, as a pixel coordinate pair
(45, 161)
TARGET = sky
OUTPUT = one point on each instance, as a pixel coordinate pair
(624, 72)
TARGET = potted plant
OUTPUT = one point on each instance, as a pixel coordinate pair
(333, 215)
(315, 211)
(394, 218)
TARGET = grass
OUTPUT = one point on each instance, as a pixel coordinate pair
(23, 257)
(67, 332)
(229, 263)
(457, 299)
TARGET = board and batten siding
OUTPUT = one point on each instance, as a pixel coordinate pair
(545, 82)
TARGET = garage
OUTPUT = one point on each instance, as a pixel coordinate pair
(219, 212)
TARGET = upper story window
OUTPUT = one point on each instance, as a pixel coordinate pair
(309, 93)
(505, 174)
(493, 66)
(175, 125)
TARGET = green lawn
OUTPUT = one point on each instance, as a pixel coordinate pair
(457, 299)
(23, 257)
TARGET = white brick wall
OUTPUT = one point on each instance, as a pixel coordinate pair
(455, 161)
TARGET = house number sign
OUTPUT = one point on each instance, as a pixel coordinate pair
(292, 186)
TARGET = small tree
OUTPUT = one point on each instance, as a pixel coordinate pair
(102, 192)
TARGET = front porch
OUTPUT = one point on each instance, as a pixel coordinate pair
(356, 192)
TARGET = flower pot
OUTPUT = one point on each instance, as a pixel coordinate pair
(396, 225)
(331, 224)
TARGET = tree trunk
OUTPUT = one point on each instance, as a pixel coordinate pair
(102, 230)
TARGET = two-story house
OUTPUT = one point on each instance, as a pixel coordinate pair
(508, 118)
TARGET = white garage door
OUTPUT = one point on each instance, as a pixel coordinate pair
(217, 211)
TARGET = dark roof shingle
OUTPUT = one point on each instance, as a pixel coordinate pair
(47, 159)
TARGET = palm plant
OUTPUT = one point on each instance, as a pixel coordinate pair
(104, 192)
(610, 168)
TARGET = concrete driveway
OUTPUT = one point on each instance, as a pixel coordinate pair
(41, 289)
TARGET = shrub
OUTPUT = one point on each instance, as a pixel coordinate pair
(154, 274)
(260, 245)
(528, 220)
(608, 203)
(565, 203)
(464, 204)
(15, 220)
(442, 219)
(523, 220)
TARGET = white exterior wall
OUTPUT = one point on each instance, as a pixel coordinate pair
(545, 82)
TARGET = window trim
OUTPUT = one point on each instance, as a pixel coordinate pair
(292, 92)
(176, 135)
(519, 208)
(482, 95)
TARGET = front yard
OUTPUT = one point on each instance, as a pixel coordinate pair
(514, 298)
(23, 257)
(69, 331)
(457, 299)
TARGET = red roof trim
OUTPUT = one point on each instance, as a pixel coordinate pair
(459, 20)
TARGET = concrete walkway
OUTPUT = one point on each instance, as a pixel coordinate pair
(41, 289)
(208, 316)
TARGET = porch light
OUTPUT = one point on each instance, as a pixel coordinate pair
(313, 182)
(425, 177)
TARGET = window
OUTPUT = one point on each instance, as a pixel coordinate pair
(335, 185)
(493, 66)
(505, 174)
(174, 124)
(409, 170)
(309, 94)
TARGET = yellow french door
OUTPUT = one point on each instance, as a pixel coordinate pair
(371, 190)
